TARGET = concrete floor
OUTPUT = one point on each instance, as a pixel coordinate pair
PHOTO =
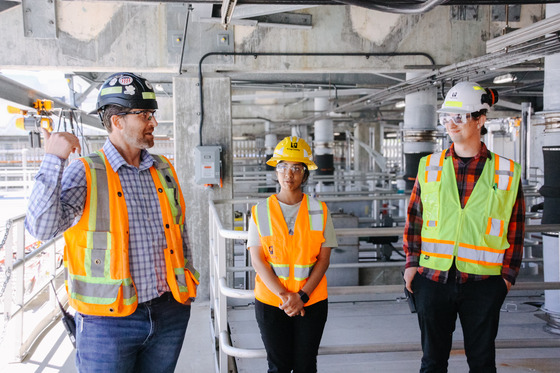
(385, 321)
(381, 320)
(55, 352)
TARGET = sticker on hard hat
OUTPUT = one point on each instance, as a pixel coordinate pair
(129, 90)
(113, 81)
(110, 91)
(125, 80)
(148, 84)
(453, 104)
(148, 95)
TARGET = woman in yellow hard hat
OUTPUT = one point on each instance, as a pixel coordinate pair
(290, 239)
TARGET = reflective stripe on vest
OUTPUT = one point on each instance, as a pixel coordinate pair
(504, 172)
(434, 167)
(470, 253)
(170, 186)
(281, 270)
(316, 218)
(495, 227)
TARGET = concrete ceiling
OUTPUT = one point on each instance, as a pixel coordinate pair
(151, 33)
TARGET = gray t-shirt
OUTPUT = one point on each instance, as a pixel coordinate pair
(290, 214)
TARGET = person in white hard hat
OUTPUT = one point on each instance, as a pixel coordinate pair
(290, 239)
(464, 235)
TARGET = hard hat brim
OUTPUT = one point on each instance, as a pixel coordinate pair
(275, 160)
(453, 110)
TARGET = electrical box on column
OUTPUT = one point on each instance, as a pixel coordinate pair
(208, 165)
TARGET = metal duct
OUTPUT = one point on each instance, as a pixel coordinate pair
(324, 139)
(389, 7)
(419, 130)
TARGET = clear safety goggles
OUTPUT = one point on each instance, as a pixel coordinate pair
(295, 168)
(146, 115)
(458, 119)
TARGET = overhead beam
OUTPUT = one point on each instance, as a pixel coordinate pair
(24, 96)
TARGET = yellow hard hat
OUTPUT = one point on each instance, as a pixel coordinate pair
(292, 149)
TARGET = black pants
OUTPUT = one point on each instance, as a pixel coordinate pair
(478, 305)
(291, 343)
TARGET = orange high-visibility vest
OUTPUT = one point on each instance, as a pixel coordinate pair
(291, 257)
(98, 278)
(476, 235)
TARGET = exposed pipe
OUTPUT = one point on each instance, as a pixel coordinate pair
(189, 8)
(383, 6)
(273, 54)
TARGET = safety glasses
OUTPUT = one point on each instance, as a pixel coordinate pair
(147, 115)
(295, 168)
(458, 119)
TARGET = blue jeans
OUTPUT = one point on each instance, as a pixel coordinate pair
(478, 305)
(149, 340)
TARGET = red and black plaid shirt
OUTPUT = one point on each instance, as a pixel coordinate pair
(467, 175)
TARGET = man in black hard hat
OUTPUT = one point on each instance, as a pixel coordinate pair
(129, 265)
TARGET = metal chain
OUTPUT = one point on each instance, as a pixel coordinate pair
(8, 270)
(8, 226)
(6, 281)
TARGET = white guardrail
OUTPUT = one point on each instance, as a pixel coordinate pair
(26, 278)
(220, 290)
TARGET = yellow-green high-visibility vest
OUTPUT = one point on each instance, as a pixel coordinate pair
(476, 235)
(98, 279)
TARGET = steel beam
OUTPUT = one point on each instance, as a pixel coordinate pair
(23, 96)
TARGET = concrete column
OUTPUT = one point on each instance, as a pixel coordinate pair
(216, 131)
(361, 156)
(551, 140)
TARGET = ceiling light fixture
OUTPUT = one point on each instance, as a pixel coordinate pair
(400, 104)
(158, 87)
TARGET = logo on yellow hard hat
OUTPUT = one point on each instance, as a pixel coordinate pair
(290, 149)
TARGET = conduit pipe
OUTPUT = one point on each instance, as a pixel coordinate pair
(420, 8)
(280, 54)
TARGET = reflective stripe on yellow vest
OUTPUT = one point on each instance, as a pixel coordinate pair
(291, 257)
(476, 235)
(96, 252)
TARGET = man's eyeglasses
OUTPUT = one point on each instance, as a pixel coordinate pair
(295, 168)
(147, 115)
(459, 119)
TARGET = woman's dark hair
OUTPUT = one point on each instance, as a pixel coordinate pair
(476, 115)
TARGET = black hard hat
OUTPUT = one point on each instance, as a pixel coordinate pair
(127, 90)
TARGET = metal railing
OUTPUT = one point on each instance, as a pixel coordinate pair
(220, 291)
(17, 296)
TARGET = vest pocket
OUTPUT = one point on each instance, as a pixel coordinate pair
(430, 209)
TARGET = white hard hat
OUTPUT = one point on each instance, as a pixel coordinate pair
(468, 97)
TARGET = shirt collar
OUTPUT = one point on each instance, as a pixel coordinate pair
(482, 153)
(117, 161)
